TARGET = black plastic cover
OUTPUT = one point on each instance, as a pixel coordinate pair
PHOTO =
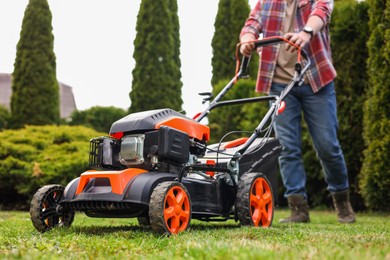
(173, 145)
(264, 159)
(143, 121)
(168, 143)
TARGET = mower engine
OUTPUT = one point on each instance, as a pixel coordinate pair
(150, 140)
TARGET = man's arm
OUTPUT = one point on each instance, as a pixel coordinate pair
(302, 38)
(251, 30)
(319, 17)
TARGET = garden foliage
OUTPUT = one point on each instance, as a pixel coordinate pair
(97, 117)
(38, 155)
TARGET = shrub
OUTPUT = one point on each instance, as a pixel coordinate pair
(98, 118)
(38, 155)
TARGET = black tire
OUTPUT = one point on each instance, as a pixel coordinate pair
(170, 208)
(43, 209)
(255, 202)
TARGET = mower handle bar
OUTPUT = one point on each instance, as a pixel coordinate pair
(244, 68)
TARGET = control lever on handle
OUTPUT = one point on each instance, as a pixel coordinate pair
(208, 96)
(244, 68)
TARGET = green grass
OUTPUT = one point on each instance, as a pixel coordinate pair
(94, 238)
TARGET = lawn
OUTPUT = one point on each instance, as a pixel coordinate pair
(89, 238)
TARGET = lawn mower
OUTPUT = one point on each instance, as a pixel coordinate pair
(156, 166)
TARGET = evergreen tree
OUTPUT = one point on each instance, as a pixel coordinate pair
(156, 76)
(235, 117)
(229, 21)
(349, 34)
(375, 174)
(176, 39)
(35, 92)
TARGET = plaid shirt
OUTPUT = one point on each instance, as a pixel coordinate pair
(267, 18)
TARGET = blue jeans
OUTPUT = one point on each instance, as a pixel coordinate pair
(320, 114)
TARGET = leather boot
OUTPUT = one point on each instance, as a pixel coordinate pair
(343, 207)
(299, 210)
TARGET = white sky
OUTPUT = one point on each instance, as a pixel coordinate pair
(94, 47)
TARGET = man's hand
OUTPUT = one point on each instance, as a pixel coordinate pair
(301, 39)
(247, 46)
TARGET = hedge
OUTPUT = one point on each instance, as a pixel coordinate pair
(38, 155)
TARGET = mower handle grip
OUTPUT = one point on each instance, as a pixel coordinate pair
(268, 41)
(244, 68)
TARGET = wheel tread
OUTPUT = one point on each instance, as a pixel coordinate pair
(242, 206)
(36, 206)
(156, 207)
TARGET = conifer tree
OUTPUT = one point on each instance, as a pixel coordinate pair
(229, 21)
(375, 174)
(156, 76)
(349, 35)
(176, 38)
(35, 92)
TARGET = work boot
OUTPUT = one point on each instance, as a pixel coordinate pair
(299, 210)
(343, 206)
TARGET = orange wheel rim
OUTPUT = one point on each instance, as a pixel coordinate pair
(261, 206)
(49, 221)
(45, 207)
(176, 210)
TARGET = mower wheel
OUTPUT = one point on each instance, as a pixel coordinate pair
(45, 209)
(254, 203)
(170, 208)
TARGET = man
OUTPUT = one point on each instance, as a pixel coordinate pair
(305, 23)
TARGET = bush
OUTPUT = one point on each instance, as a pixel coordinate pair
(38, 155)
(98, 118)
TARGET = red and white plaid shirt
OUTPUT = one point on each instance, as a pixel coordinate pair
(267, 18)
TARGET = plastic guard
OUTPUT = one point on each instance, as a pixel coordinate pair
(235, 143)
(118, 179)
(192, 128)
